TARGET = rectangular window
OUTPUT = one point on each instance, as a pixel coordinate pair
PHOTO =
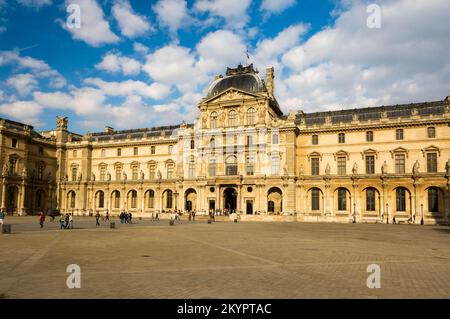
(152, 150)
(135, 151)
(103, 153)
(341, 138)
(74, 153)
(370, 164)
(369, 136)
(275, 165)
(399, 134)
(169, 171)
(118, 173)
(342, 199)
(315, 139)
(119, 152)
(250, 166)
(102, 174)
(275, 138)
(14, 143)
(212, 168)
(342, 165)
(432, 163)
(170, 149)
(431, 132)
(74, 174)
(400, 164)
(314, 166)
(134, 173)
(152, 171)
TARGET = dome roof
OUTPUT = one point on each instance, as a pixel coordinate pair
(242, 78)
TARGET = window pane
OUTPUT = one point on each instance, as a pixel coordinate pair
(342, 199)
(315, 199)
(400, 164)
(314, 166)
(432, 162)
(433, 200)
(370, 200)
(401, 199)
(342, 163)
(370, 164)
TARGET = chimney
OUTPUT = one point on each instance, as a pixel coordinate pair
(269, 80)
(109, 129)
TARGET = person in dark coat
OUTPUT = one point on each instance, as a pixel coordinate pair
(41, 219)
(97, 218)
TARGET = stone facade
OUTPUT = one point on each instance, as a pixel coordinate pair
(376, 164)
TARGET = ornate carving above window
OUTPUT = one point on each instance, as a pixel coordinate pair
(399, 150)
(314, 154)
(431, 149)
(369, 152)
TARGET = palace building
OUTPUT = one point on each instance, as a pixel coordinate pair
(242, 154)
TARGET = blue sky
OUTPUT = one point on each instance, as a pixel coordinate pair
(146, 63)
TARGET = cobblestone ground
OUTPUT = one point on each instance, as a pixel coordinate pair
(224, 260)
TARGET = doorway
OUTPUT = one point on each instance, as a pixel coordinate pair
(249, 208)
(230, 200)
(12, 199)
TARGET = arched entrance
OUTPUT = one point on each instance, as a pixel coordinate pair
(274, 200)
(190, 199)
(230, 199)
(12, 200)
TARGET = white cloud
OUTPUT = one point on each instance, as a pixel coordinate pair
(154, 91)
(234, 12)
(350, 65)
(173, 65)
(23, 111)
(140, 48)
(172, 14)
(39, 68)
(35, 3)
(94, 30)
(219, 49)
(276, 6)
(114, 63)
(23, 83)
(131, 23)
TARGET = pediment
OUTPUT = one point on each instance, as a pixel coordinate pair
(231, 94)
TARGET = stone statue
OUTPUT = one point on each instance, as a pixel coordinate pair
(5, 169)
(80, 176)
(384, 168)
(447, 167)
(24, 172)
(204, 120)
(61, 122)
(416, 168)
(355, 169)
(66, 178)
(159, 175)
(142, 175)
(285, 170)
(291, 116)
(124, 176)
(222, 117)
(302, 170)
(93, 177)
(328, 169)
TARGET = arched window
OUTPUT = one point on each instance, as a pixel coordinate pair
(213, 120)
(101, 199)
(169, 199)
(116, 199)
(370, 200)
(151, 199)
(231, 165)
(232, 115)
(133, 199)
(401, 199)
(433, 200)
(315, 199)
(251, 116)
(72, 199)
(342, 199)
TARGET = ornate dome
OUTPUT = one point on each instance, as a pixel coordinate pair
(243, 78)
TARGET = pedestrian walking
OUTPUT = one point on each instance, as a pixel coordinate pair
(193, 215)
(97, 218)
(41, 219)
(70, 221)
(130, 216)
(66, 221)
(62, 221)
(107, 216)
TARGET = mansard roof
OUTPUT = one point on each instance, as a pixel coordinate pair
(373, 113)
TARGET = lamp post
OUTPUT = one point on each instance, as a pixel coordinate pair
(421, 214)
(176, 200)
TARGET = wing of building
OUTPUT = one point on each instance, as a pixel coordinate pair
(242, 155)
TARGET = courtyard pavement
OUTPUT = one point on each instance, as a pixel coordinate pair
(223, 260)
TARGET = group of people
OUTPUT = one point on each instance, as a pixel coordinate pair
(66, 221)
(125, 217)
